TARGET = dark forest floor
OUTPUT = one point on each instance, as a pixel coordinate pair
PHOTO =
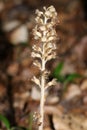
(65, 109)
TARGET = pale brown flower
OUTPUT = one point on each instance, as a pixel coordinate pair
(45, 32)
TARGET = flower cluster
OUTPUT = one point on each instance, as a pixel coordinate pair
(44, 31)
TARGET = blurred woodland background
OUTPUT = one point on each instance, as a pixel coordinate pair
(66, 104)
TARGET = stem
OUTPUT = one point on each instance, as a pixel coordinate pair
(42, 85)
(42, 97)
